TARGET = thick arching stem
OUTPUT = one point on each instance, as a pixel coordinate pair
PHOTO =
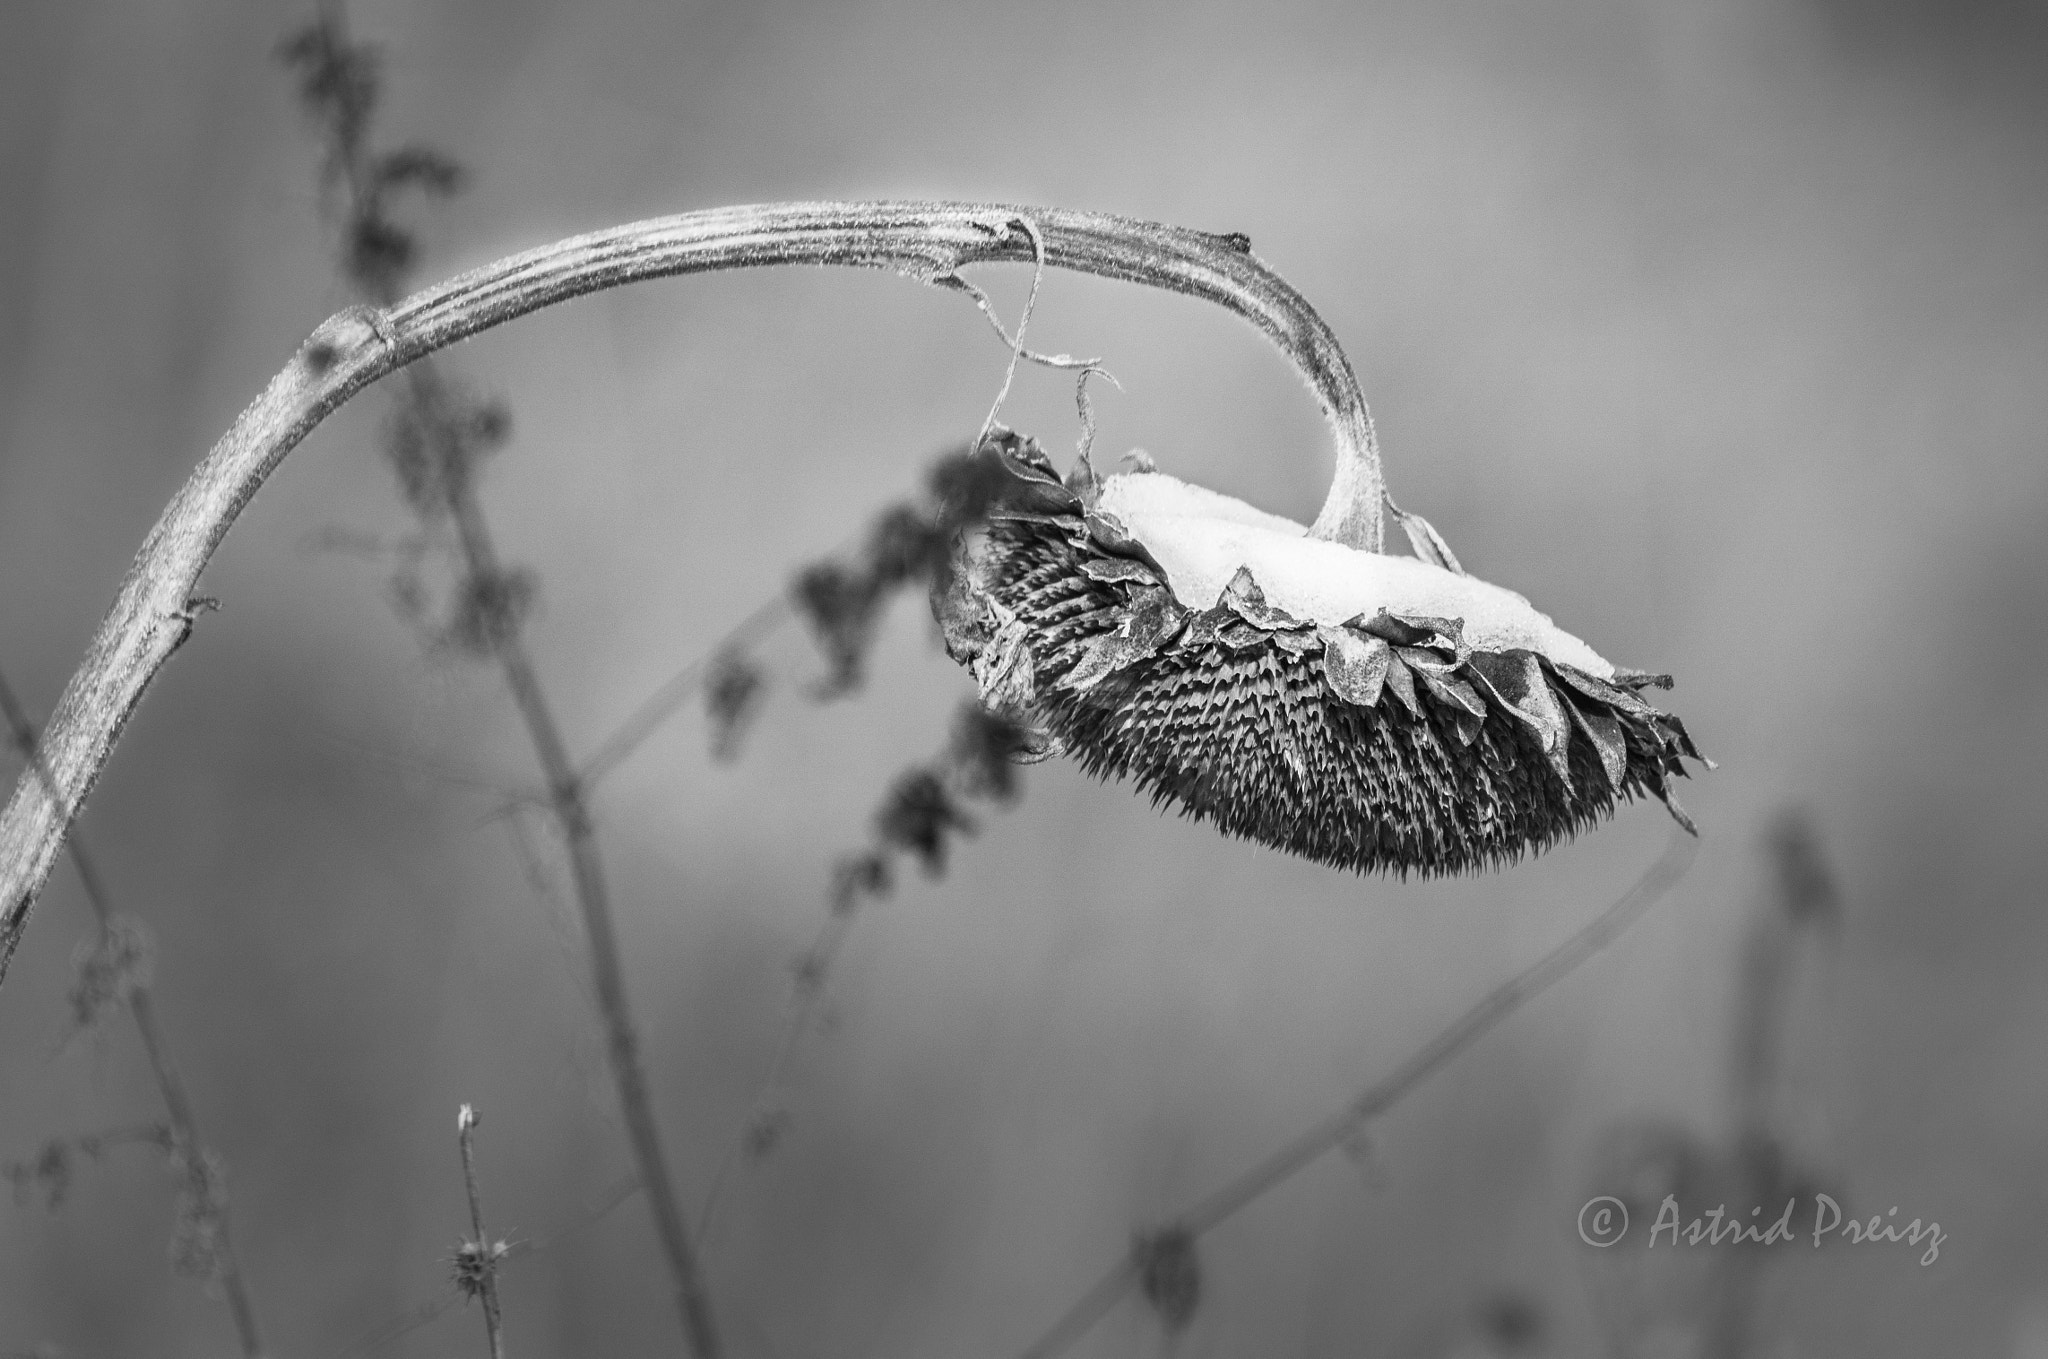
(157, 605)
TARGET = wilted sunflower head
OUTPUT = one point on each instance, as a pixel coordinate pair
(1370, 711)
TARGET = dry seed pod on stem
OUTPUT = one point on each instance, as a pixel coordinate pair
(1375, 712)
(158, 605)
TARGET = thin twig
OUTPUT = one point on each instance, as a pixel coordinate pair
(567, 794)
(796, 1020)
(1023, 323)
(156, 608)
(571, 807)
(662, 704)
(960, 772)
(432, 1308)
(1382, 1095)
(987, 307)
(177, 1103)
(480, 1255)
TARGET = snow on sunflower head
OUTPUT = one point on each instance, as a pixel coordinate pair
(1376, 712)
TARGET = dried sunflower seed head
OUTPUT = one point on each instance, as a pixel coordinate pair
(1374, 712)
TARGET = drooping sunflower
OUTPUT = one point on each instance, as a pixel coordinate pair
(1376, 712)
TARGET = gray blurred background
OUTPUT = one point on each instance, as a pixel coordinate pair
(1718, 329)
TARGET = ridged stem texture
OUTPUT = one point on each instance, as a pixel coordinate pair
(158, 605)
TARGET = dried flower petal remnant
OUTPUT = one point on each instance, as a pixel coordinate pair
(1378, 713)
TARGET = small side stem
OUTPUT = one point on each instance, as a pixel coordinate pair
(487, 1255)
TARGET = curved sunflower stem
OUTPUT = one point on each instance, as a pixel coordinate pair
(158, 607)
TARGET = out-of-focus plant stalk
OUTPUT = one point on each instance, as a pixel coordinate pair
(186, 1148)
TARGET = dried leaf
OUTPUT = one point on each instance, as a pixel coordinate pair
(1425, 662)
(842, 606)
(857, 876)
(1112, 569)
(1554, 727)
(1239, 635)
(1675, 729)
(1604, 731)
(51, 1171)
(420, 167)
(1806, 885)
(1469, 726)
(966, 488)
(1154, 619)
(919, 815)
(1004, 674)
(1446, 634)
(1678, 813)
(1025, 459)
(1102, 658)
(1204, 626)
(1112, 535)
(733, 694)
(489, 610)
(1453, 692)
(1639, 679)
(1599, 690)
(1393, 628)
(984, 751)
(1355, 667)
(1427, 542)
(1244, 598)
(1402, 681)
(197, 1245)
(1169, 1275)
(764, 1131)
(1517, 682)
(1034, 484)
(109, 969)
(962, 606)
(905, 544)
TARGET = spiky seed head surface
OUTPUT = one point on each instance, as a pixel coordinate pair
(1380, 714)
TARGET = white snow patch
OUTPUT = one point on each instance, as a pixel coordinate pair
(1201, 538)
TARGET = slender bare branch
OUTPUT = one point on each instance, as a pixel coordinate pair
(184, 1126)
(675, 691)
(157, 605)
(1382, 1095)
